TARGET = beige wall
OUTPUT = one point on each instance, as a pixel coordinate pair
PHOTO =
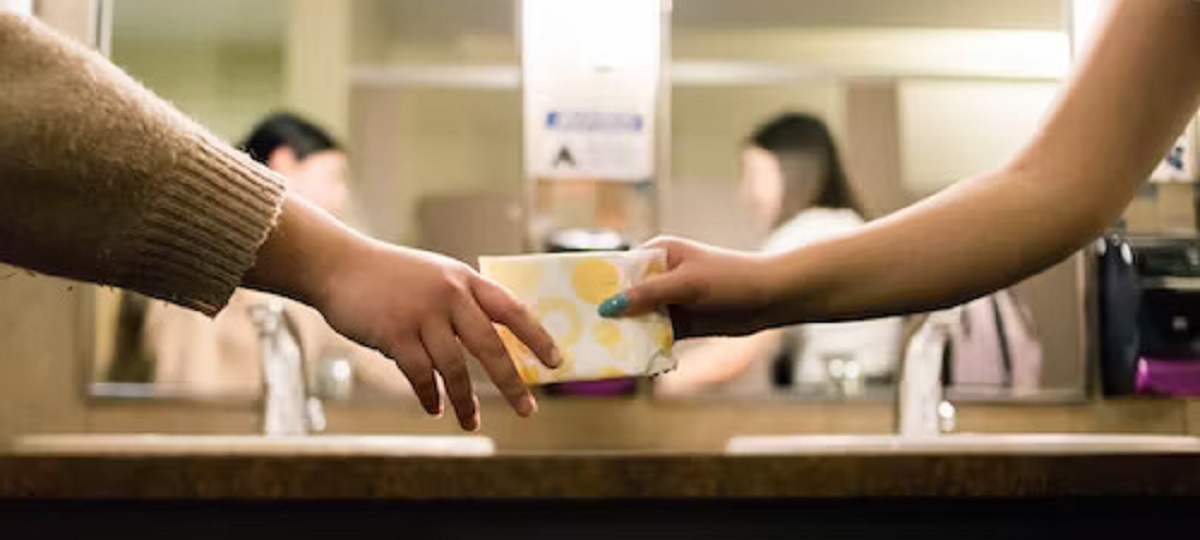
(41, 372)
(888, 51)
(951, 130)
(227, 87)
(434, 142)
(874, 154)
(221, 61)
(317, 61)
(40, 323)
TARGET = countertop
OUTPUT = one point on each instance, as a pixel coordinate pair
(597, 476)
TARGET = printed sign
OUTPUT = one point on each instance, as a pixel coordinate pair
(603, 144)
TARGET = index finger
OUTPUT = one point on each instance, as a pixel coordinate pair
(674, 247)
(502, 307)
(672, 288)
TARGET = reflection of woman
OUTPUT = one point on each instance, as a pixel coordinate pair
(220, 355)
(793, 176)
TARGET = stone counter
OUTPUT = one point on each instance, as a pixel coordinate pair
(588, 476)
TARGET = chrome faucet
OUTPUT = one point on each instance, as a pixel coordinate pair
(288, 409)
(921, 409)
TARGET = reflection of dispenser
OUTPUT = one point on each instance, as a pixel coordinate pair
(595, 112)
(585, 239)
(595, 125)
(1149, 293)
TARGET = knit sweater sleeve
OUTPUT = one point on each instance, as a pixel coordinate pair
(102, 181)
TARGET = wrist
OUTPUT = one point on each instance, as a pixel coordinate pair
(786, 284)
(305, 254)
(333, 258)
(336, 251)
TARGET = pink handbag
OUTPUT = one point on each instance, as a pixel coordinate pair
(995, 344)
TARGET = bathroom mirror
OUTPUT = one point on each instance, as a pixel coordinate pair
(425, 99)
(917, 95)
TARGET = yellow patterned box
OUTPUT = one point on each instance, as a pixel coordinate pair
(565, 290)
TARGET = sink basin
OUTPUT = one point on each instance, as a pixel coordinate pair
(336, 445)
(965, 443)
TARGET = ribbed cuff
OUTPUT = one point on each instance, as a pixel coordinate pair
(202, 229)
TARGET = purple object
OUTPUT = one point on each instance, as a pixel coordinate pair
(608, 387)
(1172, 378)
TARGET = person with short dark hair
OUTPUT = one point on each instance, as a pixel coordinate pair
(101, 180)
(221, 355)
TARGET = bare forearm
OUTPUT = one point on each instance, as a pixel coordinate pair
(300, 253)
(960, 245)
(1132, 95)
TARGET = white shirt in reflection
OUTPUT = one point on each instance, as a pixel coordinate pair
(873, 344)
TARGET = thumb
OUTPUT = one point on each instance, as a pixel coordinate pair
(671, 288)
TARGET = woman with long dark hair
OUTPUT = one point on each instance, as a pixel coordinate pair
(793, 176)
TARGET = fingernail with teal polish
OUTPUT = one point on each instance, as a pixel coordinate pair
(614, 306)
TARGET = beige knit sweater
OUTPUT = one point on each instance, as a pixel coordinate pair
(102, 181)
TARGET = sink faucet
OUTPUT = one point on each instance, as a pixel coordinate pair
(288, 409)
(921, 409)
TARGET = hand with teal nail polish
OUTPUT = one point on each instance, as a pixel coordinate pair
(707, 290)
(614, 306)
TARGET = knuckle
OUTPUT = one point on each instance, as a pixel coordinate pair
(673, 242)
(454, 282)
(448, 288)
(512, 312)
